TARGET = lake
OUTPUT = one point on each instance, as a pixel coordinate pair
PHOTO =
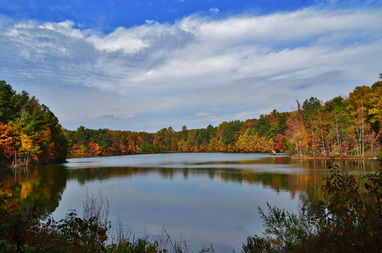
(199, 198)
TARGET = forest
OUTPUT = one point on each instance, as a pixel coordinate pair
(341, 127)
(29, 131)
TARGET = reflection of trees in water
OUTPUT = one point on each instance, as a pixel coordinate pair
(347, 165)
(308, 181)
(44, 185)
(41, 186)
(294, 183)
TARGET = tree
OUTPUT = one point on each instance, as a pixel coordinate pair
(339, 126)
(38, 133)
(311, 114)
(9, 141)
(296, 132)
(7, 107)
(358, 107)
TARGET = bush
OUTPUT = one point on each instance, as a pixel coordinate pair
(379, 156)
(348, 219)
(21, 230)
(141, 245)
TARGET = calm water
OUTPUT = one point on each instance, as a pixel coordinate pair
(201, 198)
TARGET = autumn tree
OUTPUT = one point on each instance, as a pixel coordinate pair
(358, 107)
(36, 131)
(339, 127)
(296, 132)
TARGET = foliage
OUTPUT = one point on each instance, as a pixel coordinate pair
(257, 244)
(140, 245)
(336, 128)
(24, 227)
(28, 131)
(348, 219)
(339, 127)
(21, 230)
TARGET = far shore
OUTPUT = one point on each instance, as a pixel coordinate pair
(306, 157)
(296, 157)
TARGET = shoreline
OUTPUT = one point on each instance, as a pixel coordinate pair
(171, 152)
(284, 154)
(299, 157)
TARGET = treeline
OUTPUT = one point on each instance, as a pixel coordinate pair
(235, 136)
(29, 131)
(350, 126)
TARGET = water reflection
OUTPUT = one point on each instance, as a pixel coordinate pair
(47, 183)
(42, 186)
(278, 182)
(201, 197)
(298, 175)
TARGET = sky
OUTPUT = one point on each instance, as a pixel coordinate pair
(145, 65)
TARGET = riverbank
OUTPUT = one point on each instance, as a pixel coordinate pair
(173, 152)
(306, 157)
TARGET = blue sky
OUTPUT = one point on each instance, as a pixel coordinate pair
(105, 16)
(145, 65)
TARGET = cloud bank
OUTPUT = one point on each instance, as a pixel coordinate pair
(197, 71)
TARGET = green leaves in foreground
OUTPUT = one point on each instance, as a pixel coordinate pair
(21, 231)
(348, 219)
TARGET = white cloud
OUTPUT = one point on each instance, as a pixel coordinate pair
(120, 39)
(281, 27)
(214, 10)
(202, 114)
(239, 64)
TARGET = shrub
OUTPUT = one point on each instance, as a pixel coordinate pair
(348, 219)
(21, 230)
